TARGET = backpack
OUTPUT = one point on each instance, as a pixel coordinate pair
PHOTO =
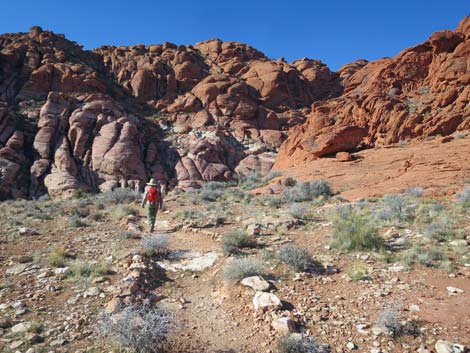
(152, 195)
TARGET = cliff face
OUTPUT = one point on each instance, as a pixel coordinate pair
(422, 92)
(71, 118)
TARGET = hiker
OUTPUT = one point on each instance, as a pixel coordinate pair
(152, 196)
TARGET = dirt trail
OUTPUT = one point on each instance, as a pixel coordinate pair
(212, 317)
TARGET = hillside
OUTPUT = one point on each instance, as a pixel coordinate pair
(215, 111)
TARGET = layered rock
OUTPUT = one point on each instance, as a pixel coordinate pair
(424, 91)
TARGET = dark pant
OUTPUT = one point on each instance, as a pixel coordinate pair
(152, 214)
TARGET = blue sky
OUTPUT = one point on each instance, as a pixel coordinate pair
(336, 32)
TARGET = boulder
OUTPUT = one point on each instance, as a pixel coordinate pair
(442, 346)
(284, 326)
(257, 283)
(263, 301)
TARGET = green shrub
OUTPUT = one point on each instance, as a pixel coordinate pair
(396, 208)
(298, 211)
(137, 327)
(353, 230)
(251, 181)
(235, 240)
(83, 270)
(57, 257)
(119, 196)
(297, 258)
(155, 245)
(307, 191)
(464, 197)
(77, 222)
(241, 268)
(289, 182)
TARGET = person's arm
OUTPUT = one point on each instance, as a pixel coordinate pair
(144, 200)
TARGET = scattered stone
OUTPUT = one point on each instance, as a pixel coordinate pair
(454, 290)
(351, 346)
(62, 271)
(344, 156)
(253, 229)
(16, 344)
(92, 292)
(27, 231)
(284, 325)
(442, 346)
(5, 323)
(21, 327)
(414, 307)
(397, 268)
(256, 282)
(17, 269)
(22, 259)
(263, 301)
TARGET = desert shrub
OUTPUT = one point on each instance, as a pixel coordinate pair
(119, 196)
(155, 245)
(57, 257)
(189, 214)
(273, 201)
(429, 257)
(289, 182)
(464, 197)
(417, 191)
(304, 344)
(353, 230)
(235, 240)
(120, 212)
(389, 321)
(272, 175)
(251, 181)
(241, 268)
(76, 222)
(307, 191)
(358, 272)
(396, 208)
(81, 212)
(438, 230)
(211, 195)
(138, 327)
(78, 193)
(459, 136)
(298, 210)
(82, 270)
(297, 258)
(96, 216)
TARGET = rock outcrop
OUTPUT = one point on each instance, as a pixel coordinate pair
(115, 116)
(422, 92)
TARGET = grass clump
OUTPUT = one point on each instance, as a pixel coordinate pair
(57, 257)
(297, 258)
(307, 191)
(235, 240)
(155, 245)
(241, 268)
(358, 273)
(251, 181)
(138, 327)
(417, 191)
(353, 230)
(304, 344)
(463, 197)
(396, 208)
(212, 191)
(389, 321)
(77, 222)
(84, 270)
(119, 196)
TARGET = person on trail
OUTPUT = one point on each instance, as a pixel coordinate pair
(152, 197)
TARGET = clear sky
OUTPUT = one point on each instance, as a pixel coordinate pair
(336, 32)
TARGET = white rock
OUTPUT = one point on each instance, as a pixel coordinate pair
(283, 325)
(351, 346)
(397, 268)
(92, 292)
(454, 290)
(253, 229)
(414, 307)
(447, 347)
(256, 282)
(62, 270)
(27, 231)
(21, 327)
(266, 301)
